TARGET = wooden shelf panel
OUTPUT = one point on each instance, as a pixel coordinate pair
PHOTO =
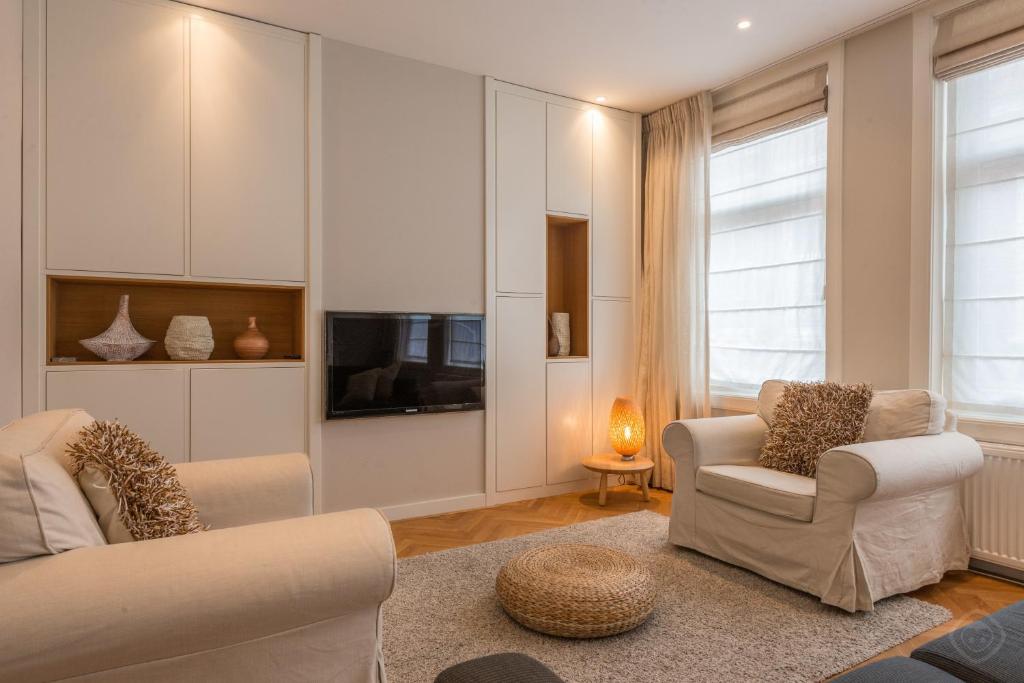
(144, 361)
(569, 278)
(82, 307)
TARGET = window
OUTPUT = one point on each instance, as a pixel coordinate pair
(766, 289)
(414, 338)
(465, 343)
(983, 273)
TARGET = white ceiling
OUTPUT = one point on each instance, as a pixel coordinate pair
(640, 54)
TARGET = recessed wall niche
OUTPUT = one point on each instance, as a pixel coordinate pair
(83, 307)
(568, 278)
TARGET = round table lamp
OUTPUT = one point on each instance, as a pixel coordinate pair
(626, 428)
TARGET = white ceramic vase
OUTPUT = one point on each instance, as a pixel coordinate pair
(560, 326)
(121, 341)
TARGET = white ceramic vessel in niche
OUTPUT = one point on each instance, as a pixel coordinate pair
(121, 341)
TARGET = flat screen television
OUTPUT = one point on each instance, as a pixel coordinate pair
(403, 363)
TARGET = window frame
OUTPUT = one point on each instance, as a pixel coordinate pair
(832, 56)
(984, 428)
(927, 242)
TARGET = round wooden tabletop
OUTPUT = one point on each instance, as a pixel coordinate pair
(613, 463)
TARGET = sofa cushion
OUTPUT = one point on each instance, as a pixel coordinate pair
(904, 413)
(506, 667)
(991, 649)
(895, 414)
(768, 397)
(42, 508)
(897, 670)
(771, 491)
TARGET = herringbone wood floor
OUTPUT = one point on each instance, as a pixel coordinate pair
(968, 596)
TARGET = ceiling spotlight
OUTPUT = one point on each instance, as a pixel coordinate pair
(600, 98)
(744, 24)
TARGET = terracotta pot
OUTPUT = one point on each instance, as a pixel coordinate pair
(251, 344)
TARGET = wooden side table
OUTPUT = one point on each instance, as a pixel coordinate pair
(612, 463)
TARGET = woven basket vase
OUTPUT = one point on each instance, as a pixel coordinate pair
(576, 591)
(189, 337)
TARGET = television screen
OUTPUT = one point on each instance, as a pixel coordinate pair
(403, 363)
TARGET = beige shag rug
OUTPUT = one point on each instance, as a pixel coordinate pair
(711, 622)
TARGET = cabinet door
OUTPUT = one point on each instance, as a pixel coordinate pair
(568, 421)
(247, 411)
(612, 356)
(115, 137)
(519, 384)
(248, 142)
(519, 195)
(570, 145)
(149, 402)
(613, 206)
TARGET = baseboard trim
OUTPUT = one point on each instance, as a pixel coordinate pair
(998, 571)
(425, 508)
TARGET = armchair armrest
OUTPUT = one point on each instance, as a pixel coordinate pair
(898, 467)
(101, 608)
(735, 440)
(239, 491)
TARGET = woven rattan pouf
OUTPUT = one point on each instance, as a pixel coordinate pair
(576, 591)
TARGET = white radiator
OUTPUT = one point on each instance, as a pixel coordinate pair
(994, 500)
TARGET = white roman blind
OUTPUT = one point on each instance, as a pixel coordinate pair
(977, 36)
(766, 287)
(739, 115)
(983, 313)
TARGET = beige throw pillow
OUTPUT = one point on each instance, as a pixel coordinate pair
(809, 419)
(42, 510)
(134, 492)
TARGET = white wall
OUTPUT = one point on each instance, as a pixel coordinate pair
(10, 210)
(877, 124)
(403, 230)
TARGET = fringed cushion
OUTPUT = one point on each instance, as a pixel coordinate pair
(810, 418)
(134, 492)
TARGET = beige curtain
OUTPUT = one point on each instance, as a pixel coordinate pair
(672, 356)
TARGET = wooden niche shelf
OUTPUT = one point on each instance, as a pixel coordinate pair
(83, 307)
(568, 278)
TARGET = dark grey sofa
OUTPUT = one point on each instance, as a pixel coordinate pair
(990, 650)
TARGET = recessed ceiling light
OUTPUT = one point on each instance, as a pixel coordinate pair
(744, 24)
(600, 98)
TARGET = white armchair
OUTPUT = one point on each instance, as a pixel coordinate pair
(882, 517)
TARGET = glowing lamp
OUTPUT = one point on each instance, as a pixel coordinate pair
(626, 428)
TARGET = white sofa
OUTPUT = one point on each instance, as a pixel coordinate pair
(271, 593)
(882, 517)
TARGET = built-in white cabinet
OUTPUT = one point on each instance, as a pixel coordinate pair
(570, 139)
(151, 402)
(562, 235)
(568, 420)
(171, 142)
(614, 213)
(115, 137)
(239, 412)
(612, 359)
(520, 225)
(519, 375)
(175, 142)
(248, 134)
